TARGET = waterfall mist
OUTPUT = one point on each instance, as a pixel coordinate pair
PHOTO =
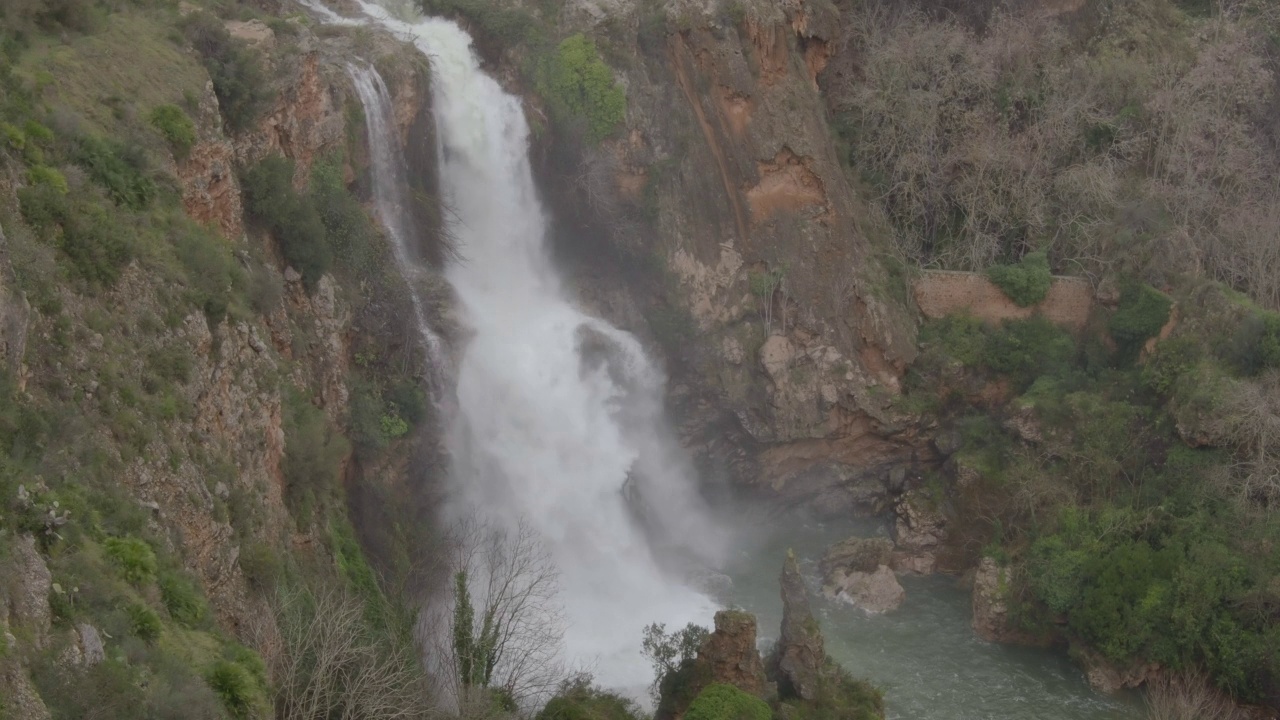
(558, 418)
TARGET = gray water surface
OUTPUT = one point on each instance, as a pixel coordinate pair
(924, 655)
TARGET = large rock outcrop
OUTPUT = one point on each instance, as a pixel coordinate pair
(729, 654)
(919, 531)
(799, 657)
(857, 571)
(991, 619)
(794, 337)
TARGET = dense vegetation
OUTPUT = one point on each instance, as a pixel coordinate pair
(1132, 136)
(1134, 500)
(118, 279)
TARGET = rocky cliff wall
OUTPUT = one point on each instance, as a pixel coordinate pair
(786, 333)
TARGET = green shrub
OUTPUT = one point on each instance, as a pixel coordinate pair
(43, 207)
(1027, 349)
(120, 169)
(95, 243)
(312, 452)
(290, 216)
(839, 696)
(44, 175)
(261, 566)
(182, 599)
(578, 699)
(1171, 360)
(134, 557)
(1026, 283)
(236, 688)
(176, 127)
(1057, 572)
(1143, 311)
(721, 701)
(144, 623)
(957, 337)
(234, 68)
(213, 274)
(349, 233)
(581, 88)
(1255, 344)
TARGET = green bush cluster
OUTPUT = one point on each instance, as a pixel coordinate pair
(1142, 312)
(313, 450)
(134, 557)
(144, 623)
(1021, 349)
(580, 88)
(1026, 283)
(95, 243)
(289, 215)
(578, 699)
(236, 70)
(175, 125)
(721, 701)
(182, 599)
(840, 696)
(119, 168)
(237, 688)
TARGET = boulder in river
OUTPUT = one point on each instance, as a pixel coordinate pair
(875, 592)
(856, 571)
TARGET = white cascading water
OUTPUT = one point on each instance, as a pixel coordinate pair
(559, 417)
(390, 197)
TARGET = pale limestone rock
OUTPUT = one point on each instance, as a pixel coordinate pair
(776, 355)
(875, 592)
(29, 601)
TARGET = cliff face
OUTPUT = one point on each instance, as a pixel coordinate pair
(788, 335)
(183, 411)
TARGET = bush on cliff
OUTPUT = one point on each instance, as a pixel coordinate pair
(726, 702)
(1026, 283)
(581, 88)
(289, 215)
(1143, 311)
(236, 70)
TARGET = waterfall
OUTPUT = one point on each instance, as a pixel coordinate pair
(559, 415)
(392, 205)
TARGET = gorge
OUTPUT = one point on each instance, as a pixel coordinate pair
(459, 359)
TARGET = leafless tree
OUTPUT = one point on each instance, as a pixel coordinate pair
(329, 662)
(1250, 419)
(1189, 697)
(505, 644)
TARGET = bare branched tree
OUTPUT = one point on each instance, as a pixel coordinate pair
(1250, 420)
(499, 636)
(330, 663)
(1189, 697)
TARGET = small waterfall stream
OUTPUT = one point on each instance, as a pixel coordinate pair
(391, 202)
(559, 417)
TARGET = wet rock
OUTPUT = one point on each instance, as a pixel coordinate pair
(991, 619)
(1107, 677)
(856, 554)
(856, 571)
(729, 654)
(798, 658)
(875, 592)
(918, 531)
